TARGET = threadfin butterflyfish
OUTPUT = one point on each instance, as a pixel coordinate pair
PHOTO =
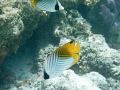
(47, 5)
(61, 59)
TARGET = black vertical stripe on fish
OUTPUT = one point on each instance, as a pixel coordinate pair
(56, 6)
(46, 76)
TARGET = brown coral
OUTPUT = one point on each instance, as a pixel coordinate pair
(3, 53)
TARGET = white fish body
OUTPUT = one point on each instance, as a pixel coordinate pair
(55, 65)
(60, 60)
(47, 5)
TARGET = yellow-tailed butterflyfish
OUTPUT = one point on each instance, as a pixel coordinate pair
(47, 5)
(60, 60)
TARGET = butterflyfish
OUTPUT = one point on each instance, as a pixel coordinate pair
(61, 59)
(47, 5)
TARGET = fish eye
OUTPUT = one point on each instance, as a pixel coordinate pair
(57, 7)
(78, 53)
(71, 42)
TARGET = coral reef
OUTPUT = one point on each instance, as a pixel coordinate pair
(91, 2)
(16, 25)
(96, 54)
(54, 30)
(110, 12)
(3, 53)
(74, 4)
(88, 81)
(70, 4)
(85, 82)
(102, 58)
(105, 18)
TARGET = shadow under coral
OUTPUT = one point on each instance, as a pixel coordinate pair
(19, 66)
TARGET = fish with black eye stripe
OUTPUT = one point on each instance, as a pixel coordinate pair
(61, 59)
(47, 5)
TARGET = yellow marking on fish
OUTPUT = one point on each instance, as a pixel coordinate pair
(61, 59)
(34, 2)
(76, 53)
(71, 49)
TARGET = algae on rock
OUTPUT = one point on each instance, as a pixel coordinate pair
(91, 2)
(17, 22)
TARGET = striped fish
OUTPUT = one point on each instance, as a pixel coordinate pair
(61, 59)
(47, 5)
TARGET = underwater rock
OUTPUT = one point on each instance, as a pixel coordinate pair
(110, 12)
(105, 19)
(17, 22)
(71, 4)
(91, 2)
(69, 21)
(112, 84)
(72, 24)
(100, 57)
(70, 80)
(75, 3)
(6, 77)
(96, 54)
